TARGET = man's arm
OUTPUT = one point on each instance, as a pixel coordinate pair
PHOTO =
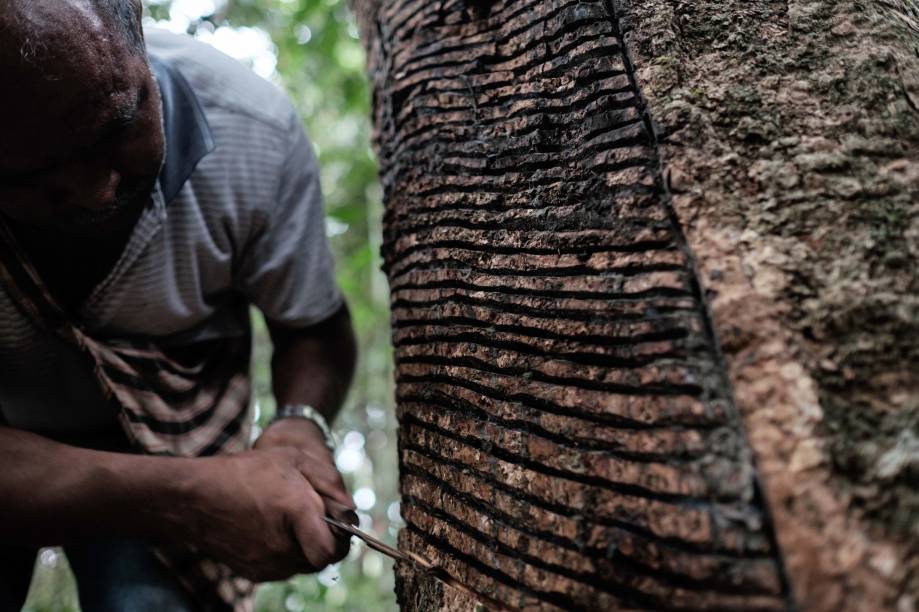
(257, 511)
(312, 365)
(52, 493)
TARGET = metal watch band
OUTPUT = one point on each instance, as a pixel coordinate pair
(305, 411)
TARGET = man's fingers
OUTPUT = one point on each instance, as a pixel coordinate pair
(342, 548)
(340, 512)
(319, 546)
(326, 480)
(343, 514)
(332, 490)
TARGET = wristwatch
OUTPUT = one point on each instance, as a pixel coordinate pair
(305, 411)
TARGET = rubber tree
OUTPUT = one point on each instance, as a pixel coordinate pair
(654, 299)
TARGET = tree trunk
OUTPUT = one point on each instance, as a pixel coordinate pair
(654, 299)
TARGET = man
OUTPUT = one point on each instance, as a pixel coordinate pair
(125, 285)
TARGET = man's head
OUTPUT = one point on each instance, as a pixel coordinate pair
(81, 138)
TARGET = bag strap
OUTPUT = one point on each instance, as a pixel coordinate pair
(22, 282)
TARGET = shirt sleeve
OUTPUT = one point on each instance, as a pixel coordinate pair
(287, 270)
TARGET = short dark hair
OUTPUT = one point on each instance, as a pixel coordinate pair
(123, 16)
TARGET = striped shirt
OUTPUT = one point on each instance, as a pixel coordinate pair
(236, 220)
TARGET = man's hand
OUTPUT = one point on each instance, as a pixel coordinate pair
(261, 513)
(305, 436)
(257, 511)
(288, 482)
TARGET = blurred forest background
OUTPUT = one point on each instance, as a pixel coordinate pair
(310, 48)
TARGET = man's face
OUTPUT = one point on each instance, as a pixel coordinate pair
(80, 118)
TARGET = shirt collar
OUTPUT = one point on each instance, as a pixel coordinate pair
(188, 136)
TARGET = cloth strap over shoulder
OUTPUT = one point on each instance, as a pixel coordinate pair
(172, 402)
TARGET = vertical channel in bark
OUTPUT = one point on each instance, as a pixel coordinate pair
(568, 439)
(789, 131)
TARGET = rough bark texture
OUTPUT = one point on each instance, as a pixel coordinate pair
(569, 434)
(790, 136)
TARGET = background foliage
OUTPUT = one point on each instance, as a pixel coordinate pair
(310, 48)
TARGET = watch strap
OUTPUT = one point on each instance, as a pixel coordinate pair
(305, 411)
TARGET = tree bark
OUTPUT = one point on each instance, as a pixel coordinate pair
(654, 300)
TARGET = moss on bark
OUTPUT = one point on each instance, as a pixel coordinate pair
(790, 134)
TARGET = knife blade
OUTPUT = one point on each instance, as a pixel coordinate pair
(419, 562)
(379, 546)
